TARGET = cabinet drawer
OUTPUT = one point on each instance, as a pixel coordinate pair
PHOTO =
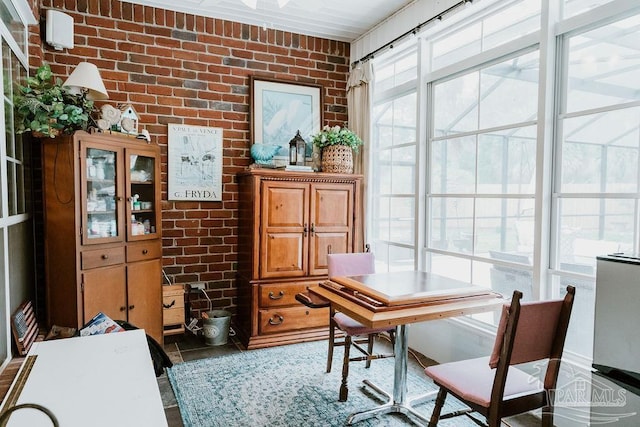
(281, 294)
(173, 316)
(102, 257)
(173, 305)
(291, 319)
(143, 250)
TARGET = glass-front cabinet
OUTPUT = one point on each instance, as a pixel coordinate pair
(141, 195)
(120, 194)
(101, 195)
(103, 230)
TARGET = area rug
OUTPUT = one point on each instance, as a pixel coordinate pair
(287, 386)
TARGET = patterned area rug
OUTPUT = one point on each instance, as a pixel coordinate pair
(287, 386)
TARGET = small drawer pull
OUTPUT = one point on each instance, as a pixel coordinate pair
(123, 308)
(131, 307)
(276, 297)
(169, 305)
(279, 320)
(144, 252)
(105, 256)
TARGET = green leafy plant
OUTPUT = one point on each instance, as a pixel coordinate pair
(337, 135)
(45, 108)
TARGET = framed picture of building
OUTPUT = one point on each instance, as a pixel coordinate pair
(195, 163)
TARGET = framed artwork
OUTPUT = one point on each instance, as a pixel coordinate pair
(279, 109)
(195, 163)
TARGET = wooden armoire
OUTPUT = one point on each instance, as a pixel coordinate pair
(102, 223)
(288, 222)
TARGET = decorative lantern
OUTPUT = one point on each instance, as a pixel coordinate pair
(297, 148)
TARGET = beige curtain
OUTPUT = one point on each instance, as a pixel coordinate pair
(359, 91)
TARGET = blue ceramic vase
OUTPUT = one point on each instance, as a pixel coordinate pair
(263, 154)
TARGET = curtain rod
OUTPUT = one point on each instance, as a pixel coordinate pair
(413, 31)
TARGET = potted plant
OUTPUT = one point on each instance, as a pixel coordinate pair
(337, 145)
(45, 108)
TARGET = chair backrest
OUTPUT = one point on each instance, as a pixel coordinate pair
(532, 331)
(351, 264)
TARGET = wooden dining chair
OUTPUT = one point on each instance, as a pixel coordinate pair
(493, 387)
(355, 333)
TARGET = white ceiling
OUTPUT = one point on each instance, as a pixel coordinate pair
(343, 20)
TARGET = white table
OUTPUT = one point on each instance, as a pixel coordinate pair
(102, 380)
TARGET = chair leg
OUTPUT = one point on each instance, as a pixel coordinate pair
(435, 415)
(331, 344)
(370, 338)
(547, 416)
(344, 390)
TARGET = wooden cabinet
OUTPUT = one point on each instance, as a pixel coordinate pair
(288, 223)
(173, 314)
(102, 216)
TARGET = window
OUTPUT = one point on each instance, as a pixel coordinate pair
(494, 172)
(597, 191)
(393, 188)
(16, 226)
(481, 175)
(506, 22)
(575, 7)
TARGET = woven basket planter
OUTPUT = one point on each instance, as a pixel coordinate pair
(337, 159)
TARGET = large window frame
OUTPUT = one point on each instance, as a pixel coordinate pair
(17, 282)
(548, 273)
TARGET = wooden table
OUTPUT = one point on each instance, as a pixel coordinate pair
(398, 299)
(101, 380)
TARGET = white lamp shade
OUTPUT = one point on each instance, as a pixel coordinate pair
(87, 77)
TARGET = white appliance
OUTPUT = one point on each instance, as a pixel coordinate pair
(59, 29)
(616, 343)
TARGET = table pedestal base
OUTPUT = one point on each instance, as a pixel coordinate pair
(398, 402)
(391, 407)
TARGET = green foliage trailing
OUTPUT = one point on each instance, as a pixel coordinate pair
(44, 107)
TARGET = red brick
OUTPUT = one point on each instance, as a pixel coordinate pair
(128, 42)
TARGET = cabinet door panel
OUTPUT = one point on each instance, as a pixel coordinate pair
(284, 205)
(331, 223)
(144, 295)
(285, 228)
(332, 206)
(100, 193)
(105, 290)
(143, 194)
(337, 242)
(283, 255)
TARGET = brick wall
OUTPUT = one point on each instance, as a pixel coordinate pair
(180, 68)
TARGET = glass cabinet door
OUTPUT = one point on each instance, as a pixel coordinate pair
(100, 196)
(141, 195)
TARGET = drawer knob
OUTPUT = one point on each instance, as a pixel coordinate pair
(276, 297)
(169, 305)
(278, 321)
(105, 256)
(144, 252)
(123, 308)
(131, 307)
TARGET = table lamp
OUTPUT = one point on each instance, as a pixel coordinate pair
(85, 79)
